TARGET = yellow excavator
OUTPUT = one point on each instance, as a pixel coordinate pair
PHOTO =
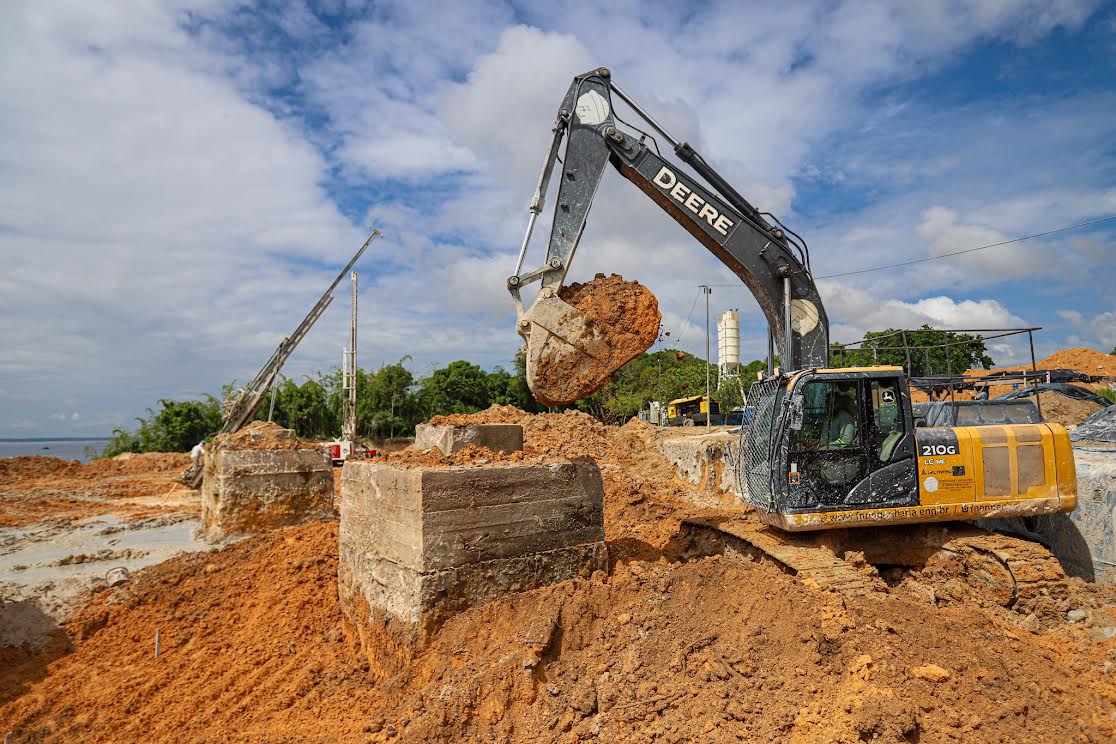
(827, 448)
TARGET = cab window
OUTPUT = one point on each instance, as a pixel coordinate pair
(829, 416)
(887, 419)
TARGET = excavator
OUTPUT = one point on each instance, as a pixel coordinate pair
(828, 447)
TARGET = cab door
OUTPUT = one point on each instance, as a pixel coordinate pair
(828, 454)
(891, 446)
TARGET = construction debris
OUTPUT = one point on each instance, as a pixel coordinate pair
(261, 436)
(419, 543)
(1062, 409)
(448, 438)
(260, 478)
(254, 641)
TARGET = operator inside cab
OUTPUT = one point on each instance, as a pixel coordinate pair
(841, 405)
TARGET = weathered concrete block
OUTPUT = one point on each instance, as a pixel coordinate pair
(249, 491)
(419, 544)
(707, 461)
(449, 439)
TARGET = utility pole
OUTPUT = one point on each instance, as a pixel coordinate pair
(349, 372)
(708, 396)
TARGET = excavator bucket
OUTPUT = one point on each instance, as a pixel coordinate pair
(579, 336)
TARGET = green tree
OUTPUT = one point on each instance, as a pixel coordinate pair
(926, 347)
(177, 426)
(304, 408)
(459, 387)
(661, 375)
(386, 402)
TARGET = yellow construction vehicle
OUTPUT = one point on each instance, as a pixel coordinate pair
(827, 448)
(692, 410)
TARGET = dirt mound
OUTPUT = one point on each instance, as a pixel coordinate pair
(625, 314)
(494, 414)
(261, 435)
(1089, 361)
(253, 647)
(644, 504)
(1062, 409)
(469, 456)
(31, 466)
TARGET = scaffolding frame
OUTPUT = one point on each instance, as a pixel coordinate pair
(949, 380)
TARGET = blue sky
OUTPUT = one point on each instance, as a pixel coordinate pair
(182, 179)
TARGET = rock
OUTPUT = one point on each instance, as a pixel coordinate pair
(931, 673)
(1075, 616)
(1102, 633)
(623, 618)
(602, 325)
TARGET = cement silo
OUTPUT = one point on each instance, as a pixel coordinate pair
(728, 345)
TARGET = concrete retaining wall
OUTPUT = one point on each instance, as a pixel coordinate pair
(249, 491)
(419, 544)
(704, 460)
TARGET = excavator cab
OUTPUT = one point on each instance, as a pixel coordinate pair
(830, 439)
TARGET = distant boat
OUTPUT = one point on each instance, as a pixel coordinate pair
(46, 447)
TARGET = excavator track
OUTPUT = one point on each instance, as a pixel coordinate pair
(999, 568)
(794, 553)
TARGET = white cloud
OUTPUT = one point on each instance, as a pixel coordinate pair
(858, 310)
(1098, 329)
(164, 215)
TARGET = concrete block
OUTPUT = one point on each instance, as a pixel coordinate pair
(249, 491)
(449, 439)
(418, 544)
(707, 461)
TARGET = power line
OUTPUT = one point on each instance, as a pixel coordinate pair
(971, 250)
(684, 325)
(953, 253)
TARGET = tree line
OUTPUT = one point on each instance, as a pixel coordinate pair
(392, 400)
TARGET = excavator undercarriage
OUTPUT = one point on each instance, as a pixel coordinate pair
(994, 568)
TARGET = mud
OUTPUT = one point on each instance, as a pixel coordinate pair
(254, 648)
(626, 314)
(657, 648)
(37, 488)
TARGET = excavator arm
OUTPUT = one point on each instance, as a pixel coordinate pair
(773, 266)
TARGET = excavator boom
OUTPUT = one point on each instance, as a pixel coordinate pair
(760, 253)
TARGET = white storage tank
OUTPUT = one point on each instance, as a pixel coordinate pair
(728, 344)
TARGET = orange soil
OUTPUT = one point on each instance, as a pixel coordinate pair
(1086, 361)
(254, 648)
(131, 486)
(625, 313)
(261, 435)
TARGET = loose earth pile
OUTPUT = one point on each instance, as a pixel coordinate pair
(254, 647)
